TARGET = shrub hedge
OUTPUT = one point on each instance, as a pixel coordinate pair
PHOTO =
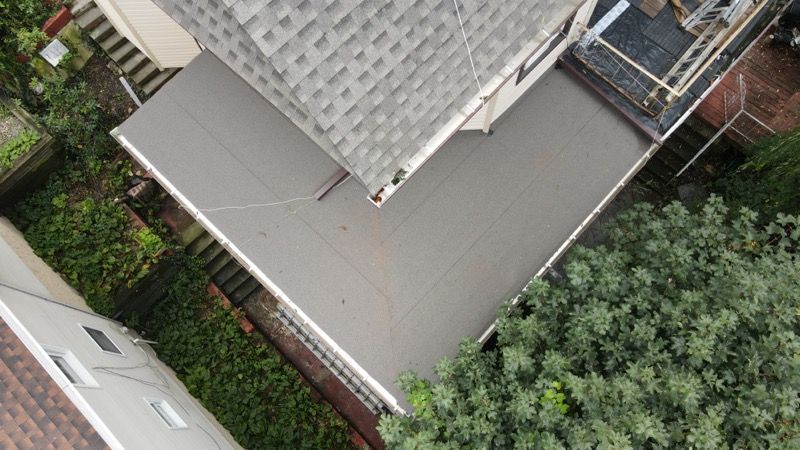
(240, 378)
(768, 180)
(683, 333)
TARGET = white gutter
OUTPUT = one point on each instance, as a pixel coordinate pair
(58, 377)
(256, 272)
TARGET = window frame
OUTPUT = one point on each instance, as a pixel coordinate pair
(84, 377)
(86, 329)
(166, 413)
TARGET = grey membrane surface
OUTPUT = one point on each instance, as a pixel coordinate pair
(400, 286)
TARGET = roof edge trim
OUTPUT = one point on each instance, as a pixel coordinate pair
(255, 271)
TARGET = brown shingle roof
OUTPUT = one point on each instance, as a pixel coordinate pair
(34, 411)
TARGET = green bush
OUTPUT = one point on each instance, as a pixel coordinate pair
(16, 16)
(17, 146)
(768, 180)
(28, 40)
(241, 380)
(683, 333)
(74, 117)
(92, 244)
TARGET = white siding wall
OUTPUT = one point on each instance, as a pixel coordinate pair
(510, 92)
(118, 400)
(152, 31)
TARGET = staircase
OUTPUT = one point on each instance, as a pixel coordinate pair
(232, 279)
(679, 150)
(138, 68)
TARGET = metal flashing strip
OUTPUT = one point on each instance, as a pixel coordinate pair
(255, 271)
(581, 228)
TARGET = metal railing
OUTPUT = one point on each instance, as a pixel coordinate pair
(737, 120)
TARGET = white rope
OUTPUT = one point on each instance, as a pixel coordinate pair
(469, 53)
(260, 205)
(255, 205)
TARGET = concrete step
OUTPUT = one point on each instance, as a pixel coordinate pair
(112, 42)
(152, 86)
(200, 243)
(145, 74)
(234, 282)
(190, 233)
(218, 263)
(227, 272)
(123, 52)
(80, 7)
(242, 292)
(660, 171)
(91, 19)
(103, 31)
(211, 252)
(134, 63)
(253, 296)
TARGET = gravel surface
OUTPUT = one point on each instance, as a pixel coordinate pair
(10, 126)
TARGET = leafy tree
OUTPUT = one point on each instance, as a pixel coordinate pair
(768, 180)
(682, 333)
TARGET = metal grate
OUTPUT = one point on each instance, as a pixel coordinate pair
(333, 362)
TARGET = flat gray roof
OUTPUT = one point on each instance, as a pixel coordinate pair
(396, 287)
(370, 81)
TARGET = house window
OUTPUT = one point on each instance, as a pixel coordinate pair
(168, 415)
(66, 369)
(69, 365)
(102, 340)
(545, 50)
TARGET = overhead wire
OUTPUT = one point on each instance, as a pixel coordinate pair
(469, 53)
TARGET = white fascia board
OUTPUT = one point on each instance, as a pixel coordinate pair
(256, 272)
(72, 392)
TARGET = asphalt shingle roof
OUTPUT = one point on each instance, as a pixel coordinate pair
(34, 411)
(369, 81)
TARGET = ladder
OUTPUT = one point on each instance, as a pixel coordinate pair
(718, 16)
(711, 11)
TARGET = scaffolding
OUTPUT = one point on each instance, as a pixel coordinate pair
(715, 22)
